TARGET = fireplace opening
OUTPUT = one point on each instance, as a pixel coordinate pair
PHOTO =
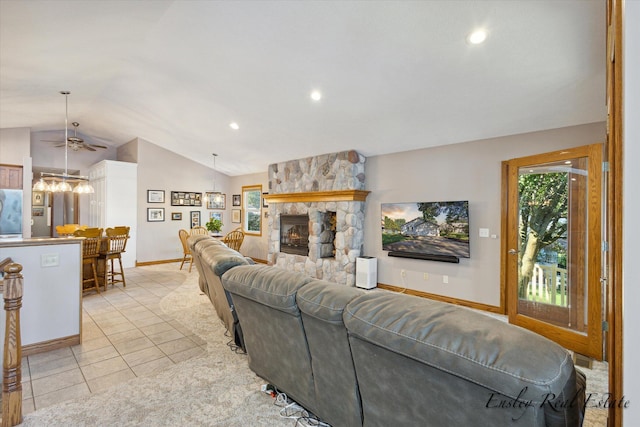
(327, 236)
(294, 234)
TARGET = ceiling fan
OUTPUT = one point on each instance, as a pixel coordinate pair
(76, 143)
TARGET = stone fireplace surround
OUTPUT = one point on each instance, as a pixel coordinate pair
(315, 186)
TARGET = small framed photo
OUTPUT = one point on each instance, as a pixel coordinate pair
(37, 211)
(195, 218)
(155, 214)
(215, 215)
(38, 198)
(155, 196)
(176, 216)
(265, 204)
(237, 201)
(236, 215)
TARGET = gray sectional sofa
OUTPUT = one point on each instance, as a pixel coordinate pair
(377, 358)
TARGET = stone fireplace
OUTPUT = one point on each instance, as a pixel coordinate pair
(327, 192)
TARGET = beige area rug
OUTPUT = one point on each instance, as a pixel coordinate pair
(217, 389)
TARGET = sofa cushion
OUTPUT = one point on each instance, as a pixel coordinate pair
(326, 301)
(220, 258)
(270, 286)
(482, 349)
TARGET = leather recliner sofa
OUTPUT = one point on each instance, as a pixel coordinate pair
(376, 358)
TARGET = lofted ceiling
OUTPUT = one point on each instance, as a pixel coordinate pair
(395, 75)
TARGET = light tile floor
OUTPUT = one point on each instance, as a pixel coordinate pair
(125, 334)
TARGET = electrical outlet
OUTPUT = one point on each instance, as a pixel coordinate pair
(426, 276)
(445, 279)
(403, 273)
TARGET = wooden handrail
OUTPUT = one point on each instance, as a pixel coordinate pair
(4, 263)
(12, 363)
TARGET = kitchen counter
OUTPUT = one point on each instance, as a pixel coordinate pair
(51, 314)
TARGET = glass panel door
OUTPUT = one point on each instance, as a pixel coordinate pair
(553, 240)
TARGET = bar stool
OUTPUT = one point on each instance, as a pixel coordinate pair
(113, 247)
(90, 253)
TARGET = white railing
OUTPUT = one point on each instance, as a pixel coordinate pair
(549, 285)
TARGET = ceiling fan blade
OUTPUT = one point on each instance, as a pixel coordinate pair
(88, 147)
(60, 145)
(51, 140)
(97, 146)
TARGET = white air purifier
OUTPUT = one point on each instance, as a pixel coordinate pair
(366, 272)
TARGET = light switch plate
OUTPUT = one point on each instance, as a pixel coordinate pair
(484, 232)
(49, 260)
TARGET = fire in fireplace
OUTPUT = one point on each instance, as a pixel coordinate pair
(294, 234)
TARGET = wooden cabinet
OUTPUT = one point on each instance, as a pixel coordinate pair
(114, 202)
(11, 177)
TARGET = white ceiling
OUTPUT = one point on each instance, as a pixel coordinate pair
(396, 75)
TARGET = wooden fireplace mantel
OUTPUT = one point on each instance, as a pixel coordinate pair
(319, 196)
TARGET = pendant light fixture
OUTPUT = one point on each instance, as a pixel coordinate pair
(217, 196)
(60, 182)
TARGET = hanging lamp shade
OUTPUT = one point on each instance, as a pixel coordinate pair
(60, 183)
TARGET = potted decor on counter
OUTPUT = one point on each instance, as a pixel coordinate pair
(214, 225)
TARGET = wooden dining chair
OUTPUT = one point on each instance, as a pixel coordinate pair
(90, 254)
(199, 230)
(184, 235)
(234, 239)
(112, 249)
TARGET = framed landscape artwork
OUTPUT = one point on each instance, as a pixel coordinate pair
(155, 214)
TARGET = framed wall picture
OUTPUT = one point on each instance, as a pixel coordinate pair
(195, 218)
(176, 216)
(237, 200)
(236, 216)
(38, 198)
(155, 214)
(186, 198)
(216, 200)
(215, 215)
(155, 196)
(37, 211)
(265, 204)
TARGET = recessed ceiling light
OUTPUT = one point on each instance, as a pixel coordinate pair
(234, 126)
(316, 95)
(477, 37)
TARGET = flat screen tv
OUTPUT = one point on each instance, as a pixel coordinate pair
(426, 230)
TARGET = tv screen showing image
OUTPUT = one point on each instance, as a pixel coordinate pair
(426, 228)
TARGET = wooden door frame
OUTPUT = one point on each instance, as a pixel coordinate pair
(590, 344)
(613, 230)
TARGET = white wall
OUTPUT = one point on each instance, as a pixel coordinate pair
(160, 169)
(467, 171)
(631, 226)
(14, 145)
